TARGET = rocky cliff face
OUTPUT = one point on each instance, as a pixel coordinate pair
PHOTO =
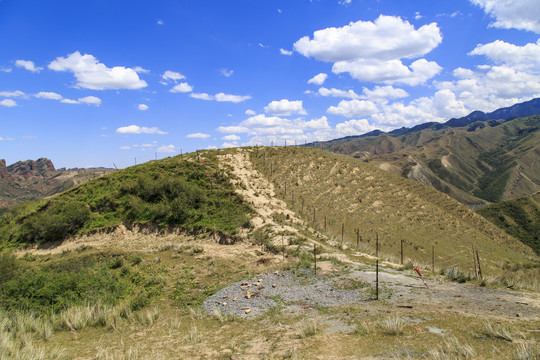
(4, 174)
(31, 168)
(34, 179)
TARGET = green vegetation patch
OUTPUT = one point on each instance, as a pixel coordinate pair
(175, 192)
(519, 218)
(45, 285)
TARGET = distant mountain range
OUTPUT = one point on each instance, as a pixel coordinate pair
(35, 179)
(477, 159)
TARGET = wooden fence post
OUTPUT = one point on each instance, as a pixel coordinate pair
(315, 257)
(283, 247)
(401, 252)
(433, 259)
(377, 268)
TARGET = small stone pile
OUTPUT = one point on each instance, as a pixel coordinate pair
(259, 294)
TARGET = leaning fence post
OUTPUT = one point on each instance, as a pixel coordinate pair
(478, 261)
(474, 260)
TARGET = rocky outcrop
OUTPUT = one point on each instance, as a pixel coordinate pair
(4, 174)
(31, 168)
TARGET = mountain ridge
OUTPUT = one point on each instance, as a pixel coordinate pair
(475, 161)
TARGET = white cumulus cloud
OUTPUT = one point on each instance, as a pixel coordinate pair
(166, 149)
(90, 100)
(514, 77)
(231, 98)
(520, 57)
(91, 74)
(384, 92)
(198, 136)
(183, 87)
(8, 103)
(285, 52)
(135, 129)
(386, 38)
(202, 96)
(12, 94)
(28, 65)
(48, 95)
(373, 51)
(221, 97)
(390, 71)
(318, 79)
(142, 107)
(172, 75)
(226, 72)
(285, 107)
(337, 93)
(513, 14)
(353, 108)
(231, 137)
(140, 70)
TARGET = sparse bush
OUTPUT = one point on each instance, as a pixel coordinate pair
(56, 221)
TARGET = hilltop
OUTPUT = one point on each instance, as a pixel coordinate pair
(212, 255)
(36, 179)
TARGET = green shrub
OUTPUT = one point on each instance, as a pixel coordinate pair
(46, 287)
(56, 221)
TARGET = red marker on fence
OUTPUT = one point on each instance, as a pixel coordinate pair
(419, 273)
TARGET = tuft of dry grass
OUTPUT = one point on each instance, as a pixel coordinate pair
(499, 331)
(196, 313)
(195, 335)
(452, 349)
(307, 328)
(77, 317)
(529, 350)
(392, 326)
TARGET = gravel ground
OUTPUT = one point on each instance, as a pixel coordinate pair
(249, 298)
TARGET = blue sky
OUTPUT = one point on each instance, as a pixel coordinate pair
(100, 82)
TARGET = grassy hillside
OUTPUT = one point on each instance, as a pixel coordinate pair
(136, 292)
(176, 192)
(350, 193)
(489, 161)
(519, 218)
